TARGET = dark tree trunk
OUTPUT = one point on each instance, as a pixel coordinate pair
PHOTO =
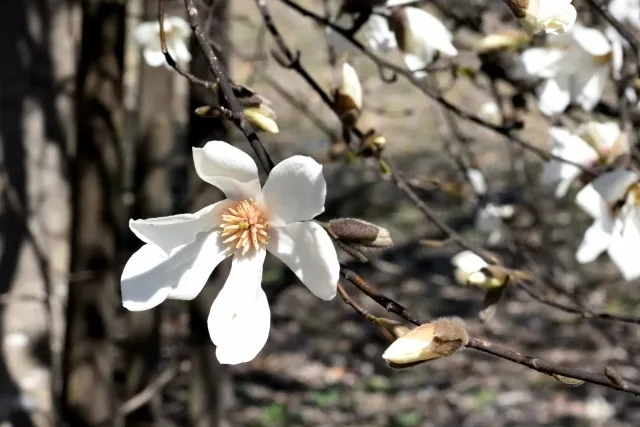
(90, 393)
(38, 41)
(210, 385)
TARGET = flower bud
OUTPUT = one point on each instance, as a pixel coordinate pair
(349, 96)
(433, 340)
(391, 329)
(550, 16)
(360, 233)
(262, 117)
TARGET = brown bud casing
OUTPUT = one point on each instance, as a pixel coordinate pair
(363, 234)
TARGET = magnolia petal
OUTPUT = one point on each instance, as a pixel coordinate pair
(428, 29)
(378, 35)
(603, 136)
(153, 57)
(417, 64)
(476, 178)
(307, 249)
(138, 295)
(562, 18)
(169, 232)
(588, 85)
(247, 333)
(570, 147)
(179, 50)
(230, 169)
(240, 289)
(592, 202)
(591, 40)
(146, 33)
(294, 191)
(625, 246)
(468, 262)
(150, 276)
(612, 186)
(212, 253)
(539, 62)
(554, 95)
(180, 26)
(596, 240)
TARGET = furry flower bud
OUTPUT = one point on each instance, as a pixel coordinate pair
(360, 233)
(349, 95)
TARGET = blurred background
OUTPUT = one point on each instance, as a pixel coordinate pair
(91, 136)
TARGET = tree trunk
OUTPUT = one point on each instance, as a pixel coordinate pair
(211, 384)
(38, 41)
(90, 394)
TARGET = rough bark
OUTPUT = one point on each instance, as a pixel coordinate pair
(90, 394)
(154, 141)
(211, 382)
(38, 41)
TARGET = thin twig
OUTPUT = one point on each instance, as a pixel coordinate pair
(227, 91)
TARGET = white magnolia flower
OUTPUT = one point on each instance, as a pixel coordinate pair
(490, 217)
(420, 36)
(468, 268)
(377, 36)
(626, 11)
(490, 112)
(574, 66)
(177, 31)
(490, 220)
(181, 251)
(592, 143)
(550, 16)
(612, 200)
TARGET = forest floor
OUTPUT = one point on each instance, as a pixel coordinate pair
(322, 365)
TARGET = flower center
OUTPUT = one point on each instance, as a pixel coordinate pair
(244, 225)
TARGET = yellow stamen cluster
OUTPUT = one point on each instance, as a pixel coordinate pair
(245, 225)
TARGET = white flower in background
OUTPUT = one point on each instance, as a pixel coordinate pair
(627, 12)
(550, 16)
(467, 268)
(376, 32)
(613, 201)
(420, 37)
(181, 251)
(177, 31)
(593, 143)
(490, 217)
(490, 112)
(574, 66)
(378, 35)
(490, 220)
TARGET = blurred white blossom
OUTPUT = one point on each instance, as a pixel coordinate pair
(490, 112)
(181, 251)
(592, 143)
(612, 200)
(420, 36)
(177, 31)
(574, 66)
(467, 266)
(550, 16)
